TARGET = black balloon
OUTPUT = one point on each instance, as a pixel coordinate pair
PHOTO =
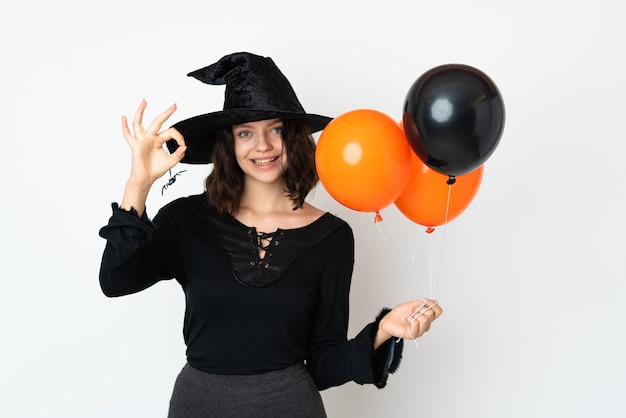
(453, 118)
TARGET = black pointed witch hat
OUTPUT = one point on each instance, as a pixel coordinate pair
(255, 90)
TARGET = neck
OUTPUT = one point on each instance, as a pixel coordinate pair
(265, 198)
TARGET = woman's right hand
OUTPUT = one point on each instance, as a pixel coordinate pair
(150, 160)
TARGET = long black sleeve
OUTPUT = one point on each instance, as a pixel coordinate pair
(130, 263)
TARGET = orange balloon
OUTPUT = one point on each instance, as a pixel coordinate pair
(425, 196)
(363, 160)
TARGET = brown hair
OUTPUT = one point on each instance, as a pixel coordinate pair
(224, 185)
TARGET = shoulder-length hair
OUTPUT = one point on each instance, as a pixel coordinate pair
(224, 186)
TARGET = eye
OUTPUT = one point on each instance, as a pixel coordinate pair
(277, 130)
(243, 134)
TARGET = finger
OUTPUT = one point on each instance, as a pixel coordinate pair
(433, 311)
(437, 310)
(430, 314)
(424, 322)
(156, 124)
(138, 119)
(433, 307)
(125, 131)
(427, 323)
(418, 308)
(423, 306)
(172, 133)
(178, 154)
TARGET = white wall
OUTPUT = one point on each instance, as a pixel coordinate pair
(531, 276)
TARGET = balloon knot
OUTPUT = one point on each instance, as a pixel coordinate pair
(377, 217)
(451, 180)
(430, 230)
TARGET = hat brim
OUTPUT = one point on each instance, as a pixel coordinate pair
(200, 131)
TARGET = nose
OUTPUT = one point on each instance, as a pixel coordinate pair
(263, 143)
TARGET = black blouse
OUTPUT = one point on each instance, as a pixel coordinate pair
(246, 314)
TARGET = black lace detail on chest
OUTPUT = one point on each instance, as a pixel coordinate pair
(263, 242)
(279, 249)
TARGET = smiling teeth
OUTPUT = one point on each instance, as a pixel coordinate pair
(265, 161)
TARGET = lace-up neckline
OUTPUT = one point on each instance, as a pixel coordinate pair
(258, 259)
(263, 242)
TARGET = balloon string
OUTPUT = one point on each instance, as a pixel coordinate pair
(430, 264)
(408, 330)
(434, 283)
(445, 221)
(443, 240)
(380, 231)
(414, 252)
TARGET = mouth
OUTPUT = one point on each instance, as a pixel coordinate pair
(265, 161)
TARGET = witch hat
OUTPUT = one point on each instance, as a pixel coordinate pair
(255, 90)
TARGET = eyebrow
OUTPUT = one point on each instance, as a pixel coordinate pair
(277, 121)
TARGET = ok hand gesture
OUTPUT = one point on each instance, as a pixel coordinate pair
(150, 160)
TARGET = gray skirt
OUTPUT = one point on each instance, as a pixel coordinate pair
(290, 392)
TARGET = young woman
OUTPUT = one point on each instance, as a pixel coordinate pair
(266, 275)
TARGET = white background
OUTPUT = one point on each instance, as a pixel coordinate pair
(531, 276)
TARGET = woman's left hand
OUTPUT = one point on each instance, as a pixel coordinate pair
(408, 320)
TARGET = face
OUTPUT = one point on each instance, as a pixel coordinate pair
(259, 150)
